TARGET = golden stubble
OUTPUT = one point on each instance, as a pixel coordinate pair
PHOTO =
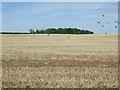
(56, 61)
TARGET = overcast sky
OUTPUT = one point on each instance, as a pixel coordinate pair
(22, 16)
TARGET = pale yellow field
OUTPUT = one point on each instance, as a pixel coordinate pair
(56, 61)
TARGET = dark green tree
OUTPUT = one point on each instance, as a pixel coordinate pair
(61, 31)
(31, 31)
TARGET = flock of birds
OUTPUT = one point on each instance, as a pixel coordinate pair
(116, 22)
(108, 22)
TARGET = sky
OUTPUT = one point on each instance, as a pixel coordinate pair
(0, 16)
(22, 16)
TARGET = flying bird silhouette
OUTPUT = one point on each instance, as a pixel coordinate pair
(115, 26)
(98, 22)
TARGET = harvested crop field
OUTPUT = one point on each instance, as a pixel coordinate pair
(59, 61)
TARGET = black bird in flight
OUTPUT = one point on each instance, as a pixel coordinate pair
(118, 22)
(115, 26)
(98, 22)
(108, 23)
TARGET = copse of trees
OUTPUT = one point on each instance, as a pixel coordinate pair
(61, 31)
(53, 31)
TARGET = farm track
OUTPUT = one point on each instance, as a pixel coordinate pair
(56, 63)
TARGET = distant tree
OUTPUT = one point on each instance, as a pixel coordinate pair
(60, 31)
(31, 31)
(91, 32)
(42, 31)
(37, 31)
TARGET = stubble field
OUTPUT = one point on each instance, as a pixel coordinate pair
(59, 61)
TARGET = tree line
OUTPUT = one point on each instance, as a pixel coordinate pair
(53, 31)
(14, 33)
(61, 31)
